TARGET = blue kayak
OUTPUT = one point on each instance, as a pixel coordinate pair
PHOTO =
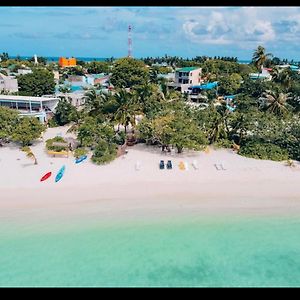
(80, 159)
(60, 174)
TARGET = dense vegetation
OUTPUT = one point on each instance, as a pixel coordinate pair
(261, 122)
(57, 144)
(21, 130)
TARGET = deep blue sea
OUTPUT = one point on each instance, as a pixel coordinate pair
(88, 59)
(55, 58)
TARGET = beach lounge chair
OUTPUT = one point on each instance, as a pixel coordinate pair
(217, 167)
(169, 165)
(186, 165)
(222, 167)
(195, 165)
(137, 166)
(162, 165)
(181, 165)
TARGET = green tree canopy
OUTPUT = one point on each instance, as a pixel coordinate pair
(229, 85)
(90, 132)
(173, 129)
(64, 112)
(39, 82)
(27, 130)
(128, 72)
(8, 121)
(96, 67)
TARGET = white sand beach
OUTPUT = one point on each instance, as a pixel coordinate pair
(120, 190)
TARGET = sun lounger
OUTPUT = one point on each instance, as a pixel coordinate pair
(162, 165)
(220, 167)
(137, 166)
(169, 165)
(217, 167)
(195, 165)
(181, 166)
(186, 165)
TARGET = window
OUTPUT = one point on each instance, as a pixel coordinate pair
(180, 80)
(180, 74)
(190, 81)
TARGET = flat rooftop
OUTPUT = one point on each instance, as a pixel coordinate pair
(27, 98)
(187, 69)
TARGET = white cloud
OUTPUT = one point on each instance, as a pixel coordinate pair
(242, 27)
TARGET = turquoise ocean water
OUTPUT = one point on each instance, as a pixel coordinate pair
(236, 251)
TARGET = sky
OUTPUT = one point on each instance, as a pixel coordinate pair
(156, 31)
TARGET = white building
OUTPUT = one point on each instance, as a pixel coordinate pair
(8, 83)
(265, 74)
(76, 98)
(169, 77)
(186, 77)
(24, 71)
(38, 107)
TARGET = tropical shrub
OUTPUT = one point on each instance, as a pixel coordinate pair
(119, 138)
(104, 152)
(258, 150)
(223, 143)
(58, 148)
(80, 152)
(52, 123)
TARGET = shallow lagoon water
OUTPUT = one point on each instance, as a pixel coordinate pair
(198, 251)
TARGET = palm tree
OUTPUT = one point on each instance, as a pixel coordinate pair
(260, 56)
(143, 93)
(285, 79)
(169, 95)
(275, 73)
(219, 126)
(78, 118)
(127, 109)
(153, 75)
(275, 102)
(29, 154)
(282, 77)
(93, 102)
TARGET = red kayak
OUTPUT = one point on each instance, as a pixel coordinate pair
(46, 176)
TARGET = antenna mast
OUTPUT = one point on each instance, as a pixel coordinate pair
(129, 42)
